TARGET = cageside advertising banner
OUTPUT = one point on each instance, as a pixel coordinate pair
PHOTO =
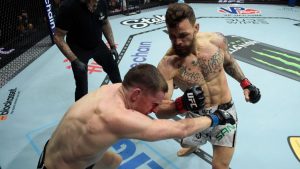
(240, 1)
(272, 58)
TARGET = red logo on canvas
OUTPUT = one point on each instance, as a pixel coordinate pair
(239, 11)
(93, 67)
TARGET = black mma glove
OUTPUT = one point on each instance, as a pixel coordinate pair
(77, 65)
(254, 94)
(191, 100)
(220, 117)
(114, 52)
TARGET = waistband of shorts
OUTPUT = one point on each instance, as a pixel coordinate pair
(226, 106)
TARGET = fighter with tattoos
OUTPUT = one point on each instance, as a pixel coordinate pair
(202, 58)
(82, 22)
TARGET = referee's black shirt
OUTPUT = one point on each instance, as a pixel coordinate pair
(84, 27)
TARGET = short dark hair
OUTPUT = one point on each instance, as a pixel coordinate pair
(145, 76)
(177, 12)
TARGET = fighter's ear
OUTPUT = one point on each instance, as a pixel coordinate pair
(136, 92)
(197, 27)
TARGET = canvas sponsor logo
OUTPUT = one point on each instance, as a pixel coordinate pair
(289, 9)
(246, 21)
(281, 61)
(294, 142)
(140, 56)
(135, 157)
(239, 11)
(286, 62)
(92, 67)
(144, 22)
(239, 44)
(10, 104)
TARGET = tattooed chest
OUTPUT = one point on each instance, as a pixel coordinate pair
(189, 75)
(212, 65)
(201, 69)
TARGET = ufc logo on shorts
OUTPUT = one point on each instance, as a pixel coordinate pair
(192, 100)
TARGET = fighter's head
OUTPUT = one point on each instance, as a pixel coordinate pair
(182, 27)
(145, 88)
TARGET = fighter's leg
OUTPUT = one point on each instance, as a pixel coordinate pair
(223, 140)
(184, 151)
(191, 143)
(109, 160)
(222, 157)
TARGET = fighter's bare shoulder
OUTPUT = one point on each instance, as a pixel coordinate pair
(216, 38)
(219, 39)
(170, 59)
(169, 64)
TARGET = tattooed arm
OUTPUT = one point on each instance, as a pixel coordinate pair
(107, 31)
(59, 39)
(231, 66)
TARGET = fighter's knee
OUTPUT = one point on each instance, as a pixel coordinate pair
(114, 161)
(118, 159)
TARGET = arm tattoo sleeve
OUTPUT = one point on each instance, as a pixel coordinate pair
(231, 66)
(234, 70)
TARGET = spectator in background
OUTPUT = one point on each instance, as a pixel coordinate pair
(24, 26)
